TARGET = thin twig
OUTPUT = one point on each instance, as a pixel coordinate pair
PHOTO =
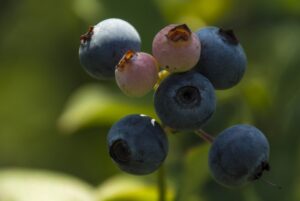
(205, 136)
(161, 184)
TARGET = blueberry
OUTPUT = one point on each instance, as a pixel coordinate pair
(222, 59)
(136, 73)
(239, 155)
(103, 46)
(185, 101)
(137, 144)
(176, 48)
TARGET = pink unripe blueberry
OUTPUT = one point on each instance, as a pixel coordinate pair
(136, 73)
(176, 48)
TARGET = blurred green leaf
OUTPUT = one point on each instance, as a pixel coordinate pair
(296, 187)
(96, 105)
(257, 94)
(33, 185)
(250, 194)
(195, 173)
(129, 188)
(195, 12)
(89, 10)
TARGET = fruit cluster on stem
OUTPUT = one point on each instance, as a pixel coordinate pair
(185, 70)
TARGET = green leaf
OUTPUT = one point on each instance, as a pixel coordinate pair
(257, 94)
(37, 185)
(208, 10)
(195, 173)
(96, 105)
(250, 194)
(129, 188)
(89, 10)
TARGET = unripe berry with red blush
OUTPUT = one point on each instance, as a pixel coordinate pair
(136, 73)
(176, 48)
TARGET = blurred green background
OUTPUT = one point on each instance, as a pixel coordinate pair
(54, 118)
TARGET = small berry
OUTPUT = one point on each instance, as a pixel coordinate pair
(239, 155)
(176, 48)
(223, 60)
(102, 47)
(137, 144)
(185, 101)
(136, 73)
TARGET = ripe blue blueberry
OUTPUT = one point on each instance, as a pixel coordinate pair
(104, 44)
(185, 101)
(137, 144)
(239, 155)
(222, 59)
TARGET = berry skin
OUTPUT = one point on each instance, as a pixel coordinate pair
(239, 155)
(137, 144)
(136, 73)
(185, 101)
(176, 48)
(103, 46)
(223, 60)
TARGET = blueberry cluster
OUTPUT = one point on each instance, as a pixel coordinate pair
(185, 69)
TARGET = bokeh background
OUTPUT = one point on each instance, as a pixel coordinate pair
(54, 117)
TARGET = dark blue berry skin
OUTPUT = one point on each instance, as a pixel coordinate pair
(102, 50)
(137, 144)
(239, 155)
(185, 101)
(222, 60)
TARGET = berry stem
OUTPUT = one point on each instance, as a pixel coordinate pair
(169, 130)
(161, 184)
(272, 184)
(204, 135)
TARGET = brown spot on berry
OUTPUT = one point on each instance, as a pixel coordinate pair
(88, 35)
(126, 59)
(179, 33)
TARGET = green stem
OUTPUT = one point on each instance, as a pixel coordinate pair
(205, 136)
(161, 184)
